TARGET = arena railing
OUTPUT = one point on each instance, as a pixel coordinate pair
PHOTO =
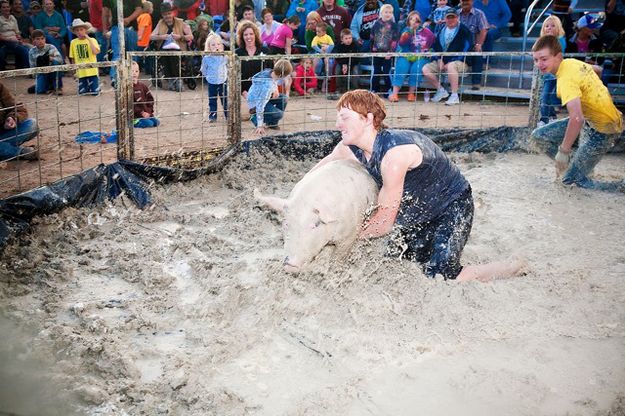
(186, 138)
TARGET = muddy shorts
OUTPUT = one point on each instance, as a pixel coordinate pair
(437, 244)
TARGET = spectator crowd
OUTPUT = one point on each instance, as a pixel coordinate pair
(52, 32)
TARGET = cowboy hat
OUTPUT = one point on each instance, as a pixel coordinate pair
(76, 23)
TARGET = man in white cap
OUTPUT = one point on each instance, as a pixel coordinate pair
(85, 49)
(454, 37)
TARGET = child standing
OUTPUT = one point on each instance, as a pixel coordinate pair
(144, 31)
(144, 25)
(45, 54)
(548, 98)
(143, 102)
(414, 38)
(437, 17)
(384, 37)
(84, 49)
(266, 104)
(204, 28)
(305, 78)
(345, 67)
(214, 68)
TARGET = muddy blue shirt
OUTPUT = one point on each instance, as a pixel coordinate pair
(429, 188)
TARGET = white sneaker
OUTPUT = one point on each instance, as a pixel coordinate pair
(453, 99)
(440, 94)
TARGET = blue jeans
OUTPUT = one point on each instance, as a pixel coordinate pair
(130, 38)
(591, 147)
(381, 69)
(20, 51)
(89, 85)
(48, 82)
(438, 243)
(403, 68)
(10, 140)
(477, 62)
(103, 43)
(144, 123)
(548, 98)
(214, 91)
(274, 111)
(491, 37)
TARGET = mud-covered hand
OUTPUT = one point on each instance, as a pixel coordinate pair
(562, 161)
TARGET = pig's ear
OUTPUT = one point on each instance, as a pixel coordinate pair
(325, 215)
(274, 203)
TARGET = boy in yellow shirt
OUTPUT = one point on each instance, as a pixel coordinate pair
(84, 49)
(592, 116)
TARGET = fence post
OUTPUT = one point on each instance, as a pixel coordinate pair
(121, 93)
(130, 114)
(234, 90)
(537, 86)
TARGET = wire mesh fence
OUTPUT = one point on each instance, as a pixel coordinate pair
(75, 131)
(61, 115)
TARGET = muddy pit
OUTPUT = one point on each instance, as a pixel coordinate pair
(183, 308)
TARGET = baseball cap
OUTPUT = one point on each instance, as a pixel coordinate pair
(35, 5)
(590, 21)
(451, 12)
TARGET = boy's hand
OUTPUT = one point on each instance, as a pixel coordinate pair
(275, 94)
(344, 68)
(260, 131)
(562, 161)
(145, 114)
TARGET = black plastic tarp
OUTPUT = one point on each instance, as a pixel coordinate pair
(106, 182)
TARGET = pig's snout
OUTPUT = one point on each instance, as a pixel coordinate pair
(290, 266)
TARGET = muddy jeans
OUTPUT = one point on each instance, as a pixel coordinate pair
(438, 243)
(591, 147)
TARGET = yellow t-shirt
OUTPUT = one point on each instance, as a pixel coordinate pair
(577, 79)
(80, 52)
(322, 40)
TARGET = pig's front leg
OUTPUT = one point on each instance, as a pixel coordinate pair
(274, 203)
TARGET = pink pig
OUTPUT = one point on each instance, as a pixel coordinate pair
(327, 206)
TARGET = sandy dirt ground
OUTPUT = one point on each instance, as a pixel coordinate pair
(184, 309)
(185, 126)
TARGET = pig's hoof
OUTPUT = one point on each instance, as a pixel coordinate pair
(257, 193)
